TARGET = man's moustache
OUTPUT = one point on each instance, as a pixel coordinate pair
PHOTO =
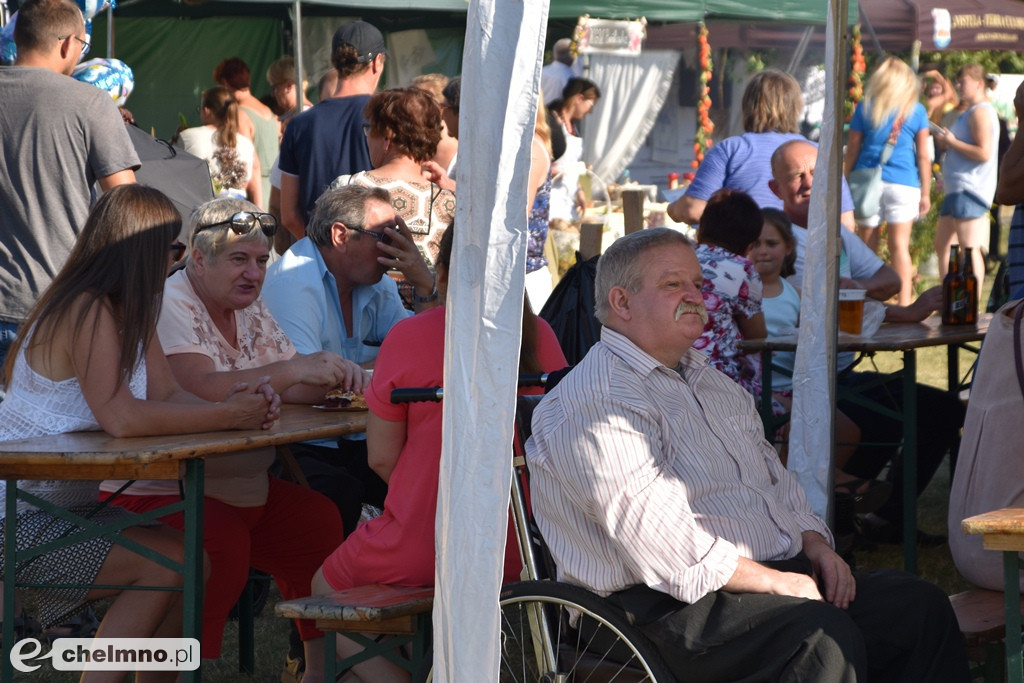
(684, 308)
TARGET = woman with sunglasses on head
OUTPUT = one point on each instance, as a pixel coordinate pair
(403, 132)
(217, 332)
(234, 166)
(88, 358)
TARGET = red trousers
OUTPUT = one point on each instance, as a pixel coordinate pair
(288, 537)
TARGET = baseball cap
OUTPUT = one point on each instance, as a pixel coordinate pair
(365, 38)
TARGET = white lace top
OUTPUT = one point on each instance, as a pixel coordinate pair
(37, 406)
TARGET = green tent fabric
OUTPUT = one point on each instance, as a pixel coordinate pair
(173, 61)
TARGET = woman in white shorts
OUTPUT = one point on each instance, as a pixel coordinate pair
(891, 114)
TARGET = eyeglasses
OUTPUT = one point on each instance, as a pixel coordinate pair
(85, 43)
(178, 251)
(366, 129)
(380, 236)
(244, 222)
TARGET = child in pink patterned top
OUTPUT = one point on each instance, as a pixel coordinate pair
(732, 288)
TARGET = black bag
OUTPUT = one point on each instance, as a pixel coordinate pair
(570, 310)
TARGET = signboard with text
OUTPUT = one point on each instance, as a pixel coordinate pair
(610, 37)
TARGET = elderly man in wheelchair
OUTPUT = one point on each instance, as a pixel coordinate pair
(653, 487)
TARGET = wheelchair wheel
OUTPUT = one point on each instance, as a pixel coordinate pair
(585, 639)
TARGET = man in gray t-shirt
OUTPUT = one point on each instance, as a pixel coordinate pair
(59, 137)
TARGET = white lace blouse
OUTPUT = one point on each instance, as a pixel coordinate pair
(38, 406)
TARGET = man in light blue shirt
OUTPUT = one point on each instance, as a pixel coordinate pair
(330, 292)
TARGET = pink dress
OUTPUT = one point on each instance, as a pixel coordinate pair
(398, 547)
(732, 289)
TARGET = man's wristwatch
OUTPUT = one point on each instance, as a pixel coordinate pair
(417, 299)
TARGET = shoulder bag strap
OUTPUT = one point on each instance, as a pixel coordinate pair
(1016, 346)
(894, 134)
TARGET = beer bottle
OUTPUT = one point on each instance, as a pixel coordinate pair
(970, 288)
(953, 294)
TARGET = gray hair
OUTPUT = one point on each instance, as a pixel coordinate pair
(212, 242)
(621, 264)
(345, 205)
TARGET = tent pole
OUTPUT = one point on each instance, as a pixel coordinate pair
(801, 49)
(297, 41)
(110, 32)
(865, 21)
(833, 211)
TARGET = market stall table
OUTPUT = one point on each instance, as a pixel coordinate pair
(904, 338)
(98, 456)
(1003, 530)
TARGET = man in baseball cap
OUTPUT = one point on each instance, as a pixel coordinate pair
(328, 141)
(364, 38)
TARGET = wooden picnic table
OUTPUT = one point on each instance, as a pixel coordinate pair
(1003, 530)
(97, 456)
(906, 339)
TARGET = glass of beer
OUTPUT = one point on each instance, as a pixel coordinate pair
(851, 310)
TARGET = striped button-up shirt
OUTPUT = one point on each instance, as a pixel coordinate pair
(644, 474)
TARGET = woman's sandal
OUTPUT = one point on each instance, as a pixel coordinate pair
(866, 499)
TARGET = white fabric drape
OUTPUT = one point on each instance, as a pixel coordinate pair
(814, 372)
(500, 84)
(633, 90)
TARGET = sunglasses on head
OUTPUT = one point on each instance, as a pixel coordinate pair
(244, 222)
(178, 251)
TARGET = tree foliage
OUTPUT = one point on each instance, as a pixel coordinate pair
(994, 61)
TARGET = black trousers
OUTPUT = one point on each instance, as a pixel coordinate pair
(899, 628)
(343, 475)
(940, 416)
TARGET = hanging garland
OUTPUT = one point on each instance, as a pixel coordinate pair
(705, 126)
(857, 68)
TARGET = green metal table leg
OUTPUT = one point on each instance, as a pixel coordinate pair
(330, 656)
(10, 562)
(910, 460)
(953, 368)
(1011, 588)
(246, 627)
(193, 598)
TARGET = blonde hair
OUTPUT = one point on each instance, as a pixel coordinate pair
(892, 88)
(433, 84)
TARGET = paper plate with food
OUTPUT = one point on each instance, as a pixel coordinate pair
(341, 400)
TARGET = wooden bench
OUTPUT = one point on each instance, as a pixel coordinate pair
(981, 615)
(402, 613)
